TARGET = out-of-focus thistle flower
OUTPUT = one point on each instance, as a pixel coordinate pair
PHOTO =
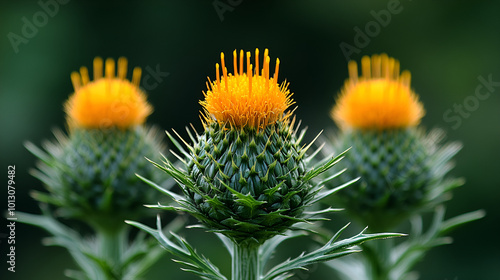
(90, 174)
(381, 99)
(245, 176)
(402, 169)
(109, 101)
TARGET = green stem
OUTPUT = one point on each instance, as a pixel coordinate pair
(245, 263)
(111, 245)
(379, 256)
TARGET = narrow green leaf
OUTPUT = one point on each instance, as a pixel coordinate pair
(172, 195)
(455, 222)
(327, 193)
(183, 250)
(329, 251)
(322, 168)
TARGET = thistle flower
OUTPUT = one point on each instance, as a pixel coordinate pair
(381, 99)
(402, 169)
(90, 174)
(107, 101)
(245, 99)
(245, 176)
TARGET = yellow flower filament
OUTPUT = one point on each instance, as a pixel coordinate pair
(379, 99)
(107, 101)
(242, 99)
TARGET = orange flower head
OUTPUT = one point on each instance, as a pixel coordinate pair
(109, 100)
(379, 99)
(251, 99)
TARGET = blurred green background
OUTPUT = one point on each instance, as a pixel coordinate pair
(446, 45)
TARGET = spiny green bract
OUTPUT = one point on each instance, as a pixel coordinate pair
(90, 175)
(401, 171)
(248, 183)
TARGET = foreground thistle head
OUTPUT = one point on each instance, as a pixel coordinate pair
(246, 99)
(245, 176)
(90, 174)
(401, 168)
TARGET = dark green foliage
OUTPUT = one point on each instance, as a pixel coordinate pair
(90, 175)
(201, 266)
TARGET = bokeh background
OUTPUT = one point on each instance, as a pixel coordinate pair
(446, 45)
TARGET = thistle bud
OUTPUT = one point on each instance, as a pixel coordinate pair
(401, 168)
(90, 174)
(245, 176)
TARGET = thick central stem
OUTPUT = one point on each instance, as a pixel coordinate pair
(380, 258)
(245, 265)
(111, 247)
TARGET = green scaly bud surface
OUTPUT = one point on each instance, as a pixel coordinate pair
(248, 183)
(401, 171)
(90, 174)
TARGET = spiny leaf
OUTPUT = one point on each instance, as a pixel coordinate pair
(324, 194)
(304, 150)
(269, 247)
(65, 237)
(182, 249)
(457, 221)
(178, 145)
(38, 152)
(329, 251)
(310, 157)
(172, 195)
(245, 199)
(317, 171)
